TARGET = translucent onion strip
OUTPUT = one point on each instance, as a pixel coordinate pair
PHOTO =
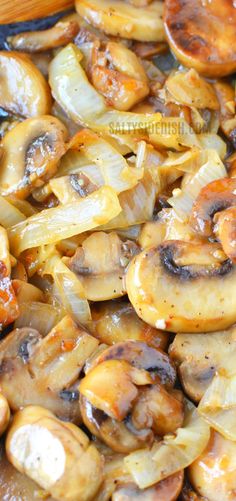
(212, 169)
(218, 405)
(113, 166)
(171, 455)
(53, 225)
(9, 215)
(39, 316)
(70, 290)
(137, 205)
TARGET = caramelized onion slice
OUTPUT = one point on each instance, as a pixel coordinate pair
(37, 41)
(202, 34)
(53, 225)
(113, 166)
(126, 21)
(190, 89)
(171, 287)
(31, 152)
(24, 90)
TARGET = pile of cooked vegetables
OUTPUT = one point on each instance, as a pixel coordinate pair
(118, 254)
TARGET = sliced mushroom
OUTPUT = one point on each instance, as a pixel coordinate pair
(213, 473)
(183, 286)
(161, 410)
(114, 473)
(35, 41)
(24, 90)
(117, 74)
(114, 322)
(30, 154)
(225, 230)
(9, 309)
(100, 264)
(120, 436)
(214, 197)
(111, 387)
(126, 21)
(166, 490)
(21, 387)
(140, 355)
(57, 455)
(202, 34)
(198, 358)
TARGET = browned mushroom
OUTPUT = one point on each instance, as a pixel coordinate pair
(24, 90)
(56, 454)
(183, 286)
(100, 264)
(41, 371)
(225, 230)
(114, 322)
(123, 407)
(35, 41)
(121, 436)
(166, 490)
(126, 21)
(214, 197)
(202, 34)
(118, 75)
(140, 355)
(198, 358)
(213, 473)
(30, 154)
(158, 409)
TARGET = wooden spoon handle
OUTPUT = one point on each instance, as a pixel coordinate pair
(25, 10)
